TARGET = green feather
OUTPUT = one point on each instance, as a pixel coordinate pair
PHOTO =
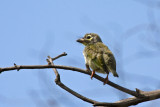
(97, 55)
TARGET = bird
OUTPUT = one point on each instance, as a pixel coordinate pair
(98, 56)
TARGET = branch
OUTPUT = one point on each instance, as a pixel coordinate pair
(140, 96)
(63, 54)
(59, 83)
(18, 67)
(133, 100)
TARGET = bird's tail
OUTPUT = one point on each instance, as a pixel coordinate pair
(115, 74)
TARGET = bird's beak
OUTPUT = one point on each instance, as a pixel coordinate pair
(80, 40)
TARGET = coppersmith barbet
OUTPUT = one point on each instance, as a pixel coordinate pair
(97, 56)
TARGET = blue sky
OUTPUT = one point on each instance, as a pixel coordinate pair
(30, 30)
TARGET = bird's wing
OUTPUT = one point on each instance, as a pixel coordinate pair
(106, 58)
(103, 58)
(110, 61)
(99, 61)
(92, 53)
(96, 54)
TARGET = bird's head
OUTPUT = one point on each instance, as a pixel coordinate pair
(89, 38)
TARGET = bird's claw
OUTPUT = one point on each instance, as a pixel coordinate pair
(93, 72)
(88, 70)
(105, 80)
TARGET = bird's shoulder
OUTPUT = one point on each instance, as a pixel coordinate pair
(101, 48)
(107, 54)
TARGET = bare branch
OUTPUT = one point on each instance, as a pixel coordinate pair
(63, 54)
(18, 67)
(133, 101)
(140, 96)
(59, 83)
(134, 93)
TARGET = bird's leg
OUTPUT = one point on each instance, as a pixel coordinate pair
(88, 69)
(93, 72)
(106, 80)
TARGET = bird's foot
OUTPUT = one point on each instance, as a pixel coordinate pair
(93, 72)
(105, 80)
(88, 70)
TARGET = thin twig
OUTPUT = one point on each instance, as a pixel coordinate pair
(63, 54)
(18, 68)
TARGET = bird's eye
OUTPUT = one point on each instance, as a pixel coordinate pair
(88, 37)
